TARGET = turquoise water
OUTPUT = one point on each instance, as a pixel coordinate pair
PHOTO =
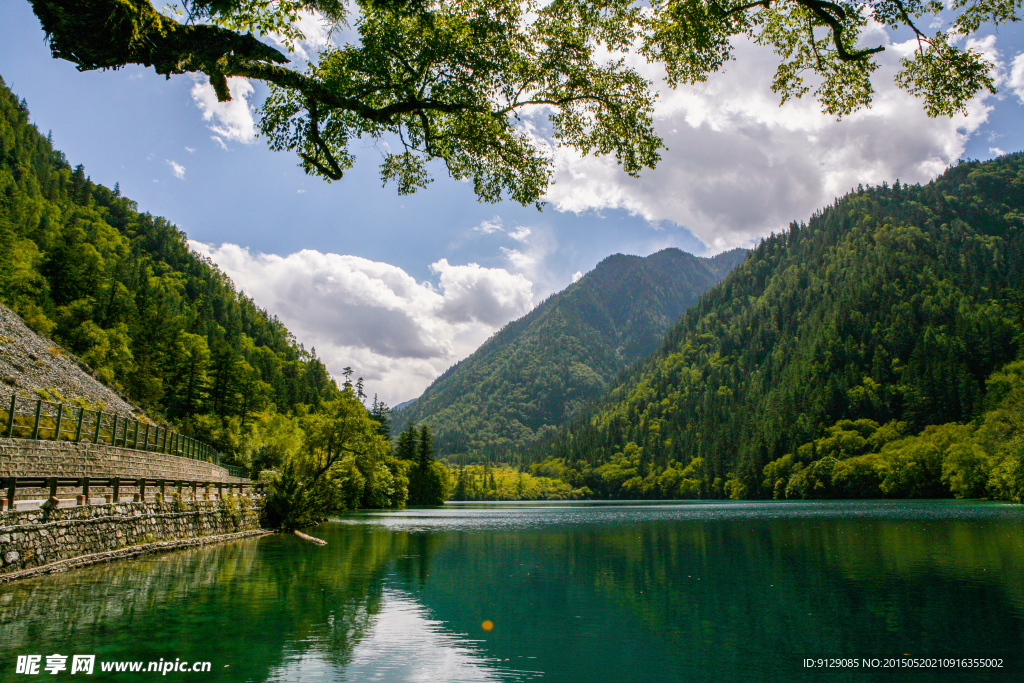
(575, 592)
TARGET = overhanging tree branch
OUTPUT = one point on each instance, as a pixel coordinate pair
(454, 72)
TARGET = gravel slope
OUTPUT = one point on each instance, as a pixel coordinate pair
(29, 362)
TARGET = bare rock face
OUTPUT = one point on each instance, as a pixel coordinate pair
(33, 366)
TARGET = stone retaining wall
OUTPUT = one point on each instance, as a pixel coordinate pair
(35, 538)
(25, 458)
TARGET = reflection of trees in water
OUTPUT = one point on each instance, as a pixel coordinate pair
(103, 595)
(706, 595)
(709, 594)
(413, 566)
(822, 586)
(247, 603)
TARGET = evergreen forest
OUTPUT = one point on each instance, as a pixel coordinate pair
(540, 370)
(871, 352)
(166, 328)
(874, 351)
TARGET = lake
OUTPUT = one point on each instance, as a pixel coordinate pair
(617, 592)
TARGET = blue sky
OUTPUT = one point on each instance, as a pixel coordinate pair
(402, 287)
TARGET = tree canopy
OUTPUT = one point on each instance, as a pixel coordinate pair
(462, 81)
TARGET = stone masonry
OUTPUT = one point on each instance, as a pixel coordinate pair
(26, 458)
(35, 538)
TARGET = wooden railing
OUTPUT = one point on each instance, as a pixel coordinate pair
(139, 487)
(38, 419)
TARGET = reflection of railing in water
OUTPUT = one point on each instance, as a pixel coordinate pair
(10, 485)
(38, 419)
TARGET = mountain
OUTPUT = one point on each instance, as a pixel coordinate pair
(121, 290)
(888, 314)
(539, 370)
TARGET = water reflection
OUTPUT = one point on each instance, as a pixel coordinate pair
(577, 593)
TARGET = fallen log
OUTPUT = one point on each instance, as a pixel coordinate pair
(307, 537)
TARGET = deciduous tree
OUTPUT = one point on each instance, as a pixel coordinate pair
(460, 81)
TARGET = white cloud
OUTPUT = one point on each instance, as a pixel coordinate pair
(232, 120)
(520, 234)
(177, 169)
(316, 31)
(220, 142)
(1016, 79)
(531, 255)
(577, 275)
(492, 296)
(490, 227)
(996, 152)
(190, 149)
(739, 166)
(397, 333)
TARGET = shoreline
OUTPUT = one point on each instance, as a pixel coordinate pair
(127, 553)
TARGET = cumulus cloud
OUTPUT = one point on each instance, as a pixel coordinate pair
(398, 334)
(177, 169)
(492, 296)
(739, 166)
(231, 120)
(1016, 78)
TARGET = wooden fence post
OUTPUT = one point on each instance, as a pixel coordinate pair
(115, 483)
(60, 418)
(51, 484)
(78, 428)
(85, 489)
(96, 436)
(10, 418)
(12, 486)
(35, 428)
(146, 438)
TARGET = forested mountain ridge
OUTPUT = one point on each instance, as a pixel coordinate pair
(888, 312)
(122, 290)
(539, 370)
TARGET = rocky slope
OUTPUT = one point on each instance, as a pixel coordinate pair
(33, 366)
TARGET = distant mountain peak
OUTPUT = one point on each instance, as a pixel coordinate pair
(539, 370)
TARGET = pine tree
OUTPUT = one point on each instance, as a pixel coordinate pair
(405, 449)
(380, 412)
(424, 448)
(427, 477)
